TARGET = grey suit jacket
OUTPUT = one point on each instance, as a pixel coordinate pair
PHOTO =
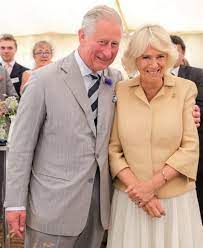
(55, 150)
(6, 86)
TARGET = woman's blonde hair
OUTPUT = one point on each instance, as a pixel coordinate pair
(149, 35)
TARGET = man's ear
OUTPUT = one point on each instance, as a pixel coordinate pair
(81, 35)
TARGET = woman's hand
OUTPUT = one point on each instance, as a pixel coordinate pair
(141, 192)
(154, 208)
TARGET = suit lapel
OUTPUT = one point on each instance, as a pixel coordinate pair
(105, 104)
(103, 99)
(14, 71)
(182, 72)
(73, 79)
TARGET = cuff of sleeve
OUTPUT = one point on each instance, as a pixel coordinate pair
(117, 166)
(182, 169)
(15, 208)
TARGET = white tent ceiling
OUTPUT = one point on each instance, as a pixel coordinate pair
(25, 17)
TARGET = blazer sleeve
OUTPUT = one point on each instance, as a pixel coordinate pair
(117, 160)
(29, 120)
(185, 159)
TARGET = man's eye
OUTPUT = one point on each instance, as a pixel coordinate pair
(102, 42)
(115, 44)
(161, 56)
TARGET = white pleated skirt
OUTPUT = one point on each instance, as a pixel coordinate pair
(131, 227)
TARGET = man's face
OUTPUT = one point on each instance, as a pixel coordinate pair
(7, 50)
(99, 48)
(181, 55)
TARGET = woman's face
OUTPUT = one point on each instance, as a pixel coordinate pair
(42, 56)
(152, 64)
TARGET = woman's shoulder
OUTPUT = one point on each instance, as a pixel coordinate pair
(181, 85)
(186, 84)
(126, 83)
(27, 72)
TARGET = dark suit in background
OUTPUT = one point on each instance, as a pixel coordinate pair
(196, 75)
(16, 76)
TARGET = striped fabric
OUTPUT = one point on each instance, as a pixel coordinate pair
(93, 95)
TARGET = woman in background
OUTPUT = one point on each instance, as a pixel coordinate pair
(42, 54)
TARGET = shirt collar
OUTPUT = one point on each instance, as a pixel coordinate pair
(84, 69)
(175, 70)
(11, 63)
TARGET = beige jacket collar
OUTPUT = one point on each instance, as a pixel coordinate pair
(169, 81)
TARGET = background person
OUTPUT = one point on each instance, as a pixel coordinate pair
(42, 54)
(8, 49)
(196, 75)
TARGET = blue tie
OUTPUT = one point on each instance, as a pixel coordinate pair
(93, 95)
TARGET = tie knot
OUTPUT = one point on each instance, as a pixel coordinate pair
(95, 77)
(7, 65)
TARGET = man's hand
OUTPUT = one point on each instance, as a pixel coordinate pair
(196, 115)
(154, 208)
(16, 223)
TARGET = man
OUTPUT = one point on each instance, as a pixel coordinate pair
(58, 159)
(6, 86)
(196, 75)
(8, 48)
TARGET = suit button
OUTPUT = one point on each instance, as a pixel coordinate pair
(90, 180)
(97, 155)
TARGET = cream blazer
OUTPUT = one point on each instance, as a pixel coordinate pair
(148, 135)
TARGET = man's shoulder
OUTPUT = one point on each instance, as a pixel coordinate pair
(114, 74)
(191, 69)
(192, 73)
(54, 67)
(20, 67)
(113, 70)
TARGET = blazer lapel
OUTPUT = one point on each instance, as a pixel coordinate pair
(73, 79)
(105, 104)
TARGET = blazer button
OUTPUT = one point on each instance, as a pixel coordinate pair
(90, 180)
(97, 155)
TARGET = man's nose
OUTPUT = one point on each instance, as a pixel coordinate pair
(108, 51)
(7, 50)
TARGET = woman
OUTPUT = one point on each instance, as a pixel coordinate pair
(42, 54)
(153, 151)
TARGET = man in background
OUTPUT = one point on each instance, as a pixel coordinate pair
(196, 75)
(8, 49)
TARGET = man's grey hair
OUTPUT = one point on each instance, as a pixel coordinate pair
(98, 13)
